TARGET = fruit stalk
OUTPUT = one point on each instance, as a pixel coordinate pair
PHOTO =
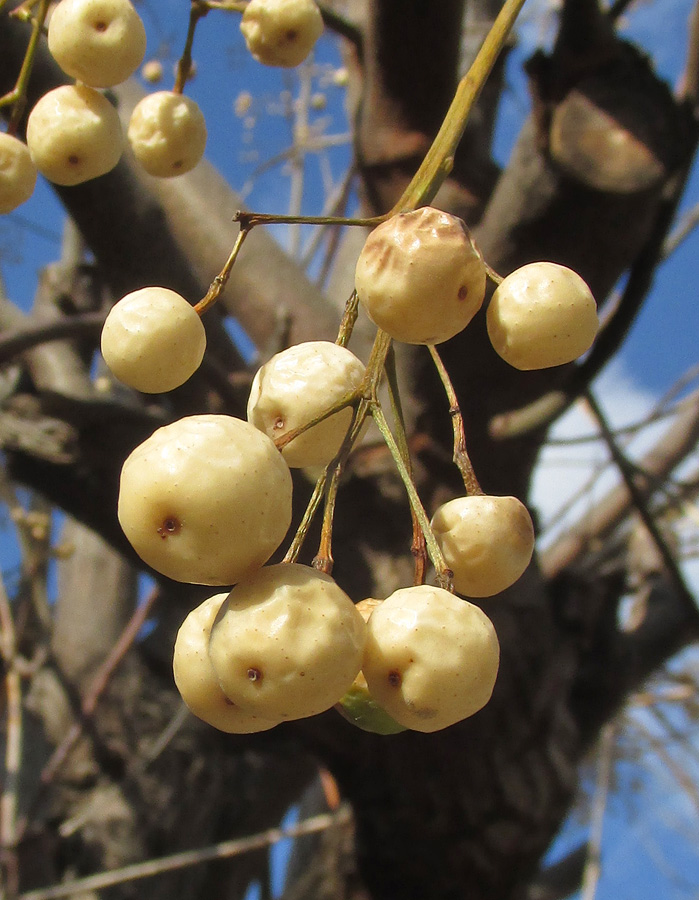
(418, 547)
(444, 575)
(220, 281)
(18, 96)
(461, 457)
(439, 159)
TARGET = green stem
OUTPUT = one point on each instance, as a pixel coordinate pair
(323, 561)
(250, 219)
(18, 96)
(305, 523)
(197, 10)
(355, 428)
(444, 573)
(439, 159)
(350, 399)
(418, 547)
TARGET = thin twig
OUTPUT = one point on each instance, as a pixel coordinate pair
(461, 457)
(221, 280)
(681, 776)
(18, 96)
(335, 204)
(690, 79)
(223, 850)
(593, 866)
(96, 689)
(298, 158)
(9, 864)
(197, 11)
(80, 325)
(639, 499)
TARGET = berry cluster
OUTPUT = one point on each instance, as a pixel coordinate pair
(207, 499)
(74, 133)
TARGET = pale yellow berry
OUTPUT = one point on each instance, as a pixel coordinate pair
(74, 134)
(287, 643)
(17, 173)
(206, 499)
(196, 680)
(487, 542)
(431, 659)
(281, 32)
(167, 133)
(153, 340)
(152, 71)
(357, 705)
(542, 315)
(420, 277)
(99, 42)
(296, 386)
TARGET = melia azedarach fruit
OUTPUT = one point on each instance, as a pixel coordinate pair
(420, 276)
(196, 680)
(296, 386)
(153, 340)
(287, 642)
(205, 500)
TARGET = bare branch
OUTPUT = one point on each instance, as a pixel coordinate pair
(223, 850)
(656, 465)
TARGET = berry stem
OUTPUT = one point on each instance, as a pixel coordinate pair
(439, 159)
(302, 531)
(323, 561)
(461, 457)
(17, 97)
(349, 317)
(350, 399)
(220, 281)
(197, 10)
(492, 274)
(336, 466)
(250, 219)
(444, 573)
(418, 547)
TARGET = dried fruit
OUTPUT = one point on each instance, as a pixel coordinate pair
(74, 134)
(281, 32)
(357, 705)
(431, 659)
(295, 387)
(487, 542)
(287, 643)
(420, 276)
(196, 680)
(167, 133)
(99, 42)
(17, 173)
